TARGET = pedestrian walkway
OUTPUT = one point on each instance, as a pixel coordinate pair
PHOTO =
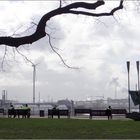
(86, 117)
(115, 117)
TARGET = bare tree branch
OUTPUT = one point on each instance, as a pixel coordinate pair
(61, 58)
(25, 57)
(69, 9)
(111, 13)
(4, 57)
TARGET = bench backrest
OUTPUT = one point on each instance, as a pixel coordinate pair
(82, 111)
(64, 112)
(119, 111)
(18, 111)
(98, 113)
(94, 112)
(58, 112)
(52, 112)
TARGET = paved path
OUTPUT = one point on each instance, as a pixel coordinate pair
(115, 117)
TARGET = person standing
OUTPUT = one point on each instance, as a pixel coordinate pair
(109, 112)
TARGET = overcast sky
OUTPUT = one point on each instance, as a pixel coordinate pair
(99, 47)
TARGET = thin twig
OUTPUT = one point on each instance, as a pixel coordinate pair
(25, 57)
(59, 54)
(4, 57)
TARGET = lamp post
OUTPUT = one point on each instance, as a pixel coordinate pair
(128, 70)
(34, 78)
(137, 64)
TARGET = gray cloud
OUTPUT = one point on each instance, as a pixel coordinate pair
(100, 47)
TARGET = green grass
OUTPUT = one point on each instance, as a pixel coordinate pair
(68, 128)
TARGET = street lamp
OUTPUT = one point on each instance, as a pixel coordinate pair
(34, 78)
(128, 70)
(137, 64)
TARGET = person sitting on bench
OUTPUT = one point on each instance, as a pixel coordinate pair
(11, 111)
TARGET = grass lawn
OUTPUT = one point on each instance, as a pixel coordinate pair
(68, 128)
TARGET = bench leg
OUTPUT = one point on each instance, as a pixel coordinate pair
(90, 117)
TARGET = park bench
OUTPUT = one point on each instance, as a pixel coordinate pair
(58, 112)
(82, 111)
(103, 112)
(90, 112)
(97, 113)
(25, 113)
(2, 111)
(93, 112)
(119, 111)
